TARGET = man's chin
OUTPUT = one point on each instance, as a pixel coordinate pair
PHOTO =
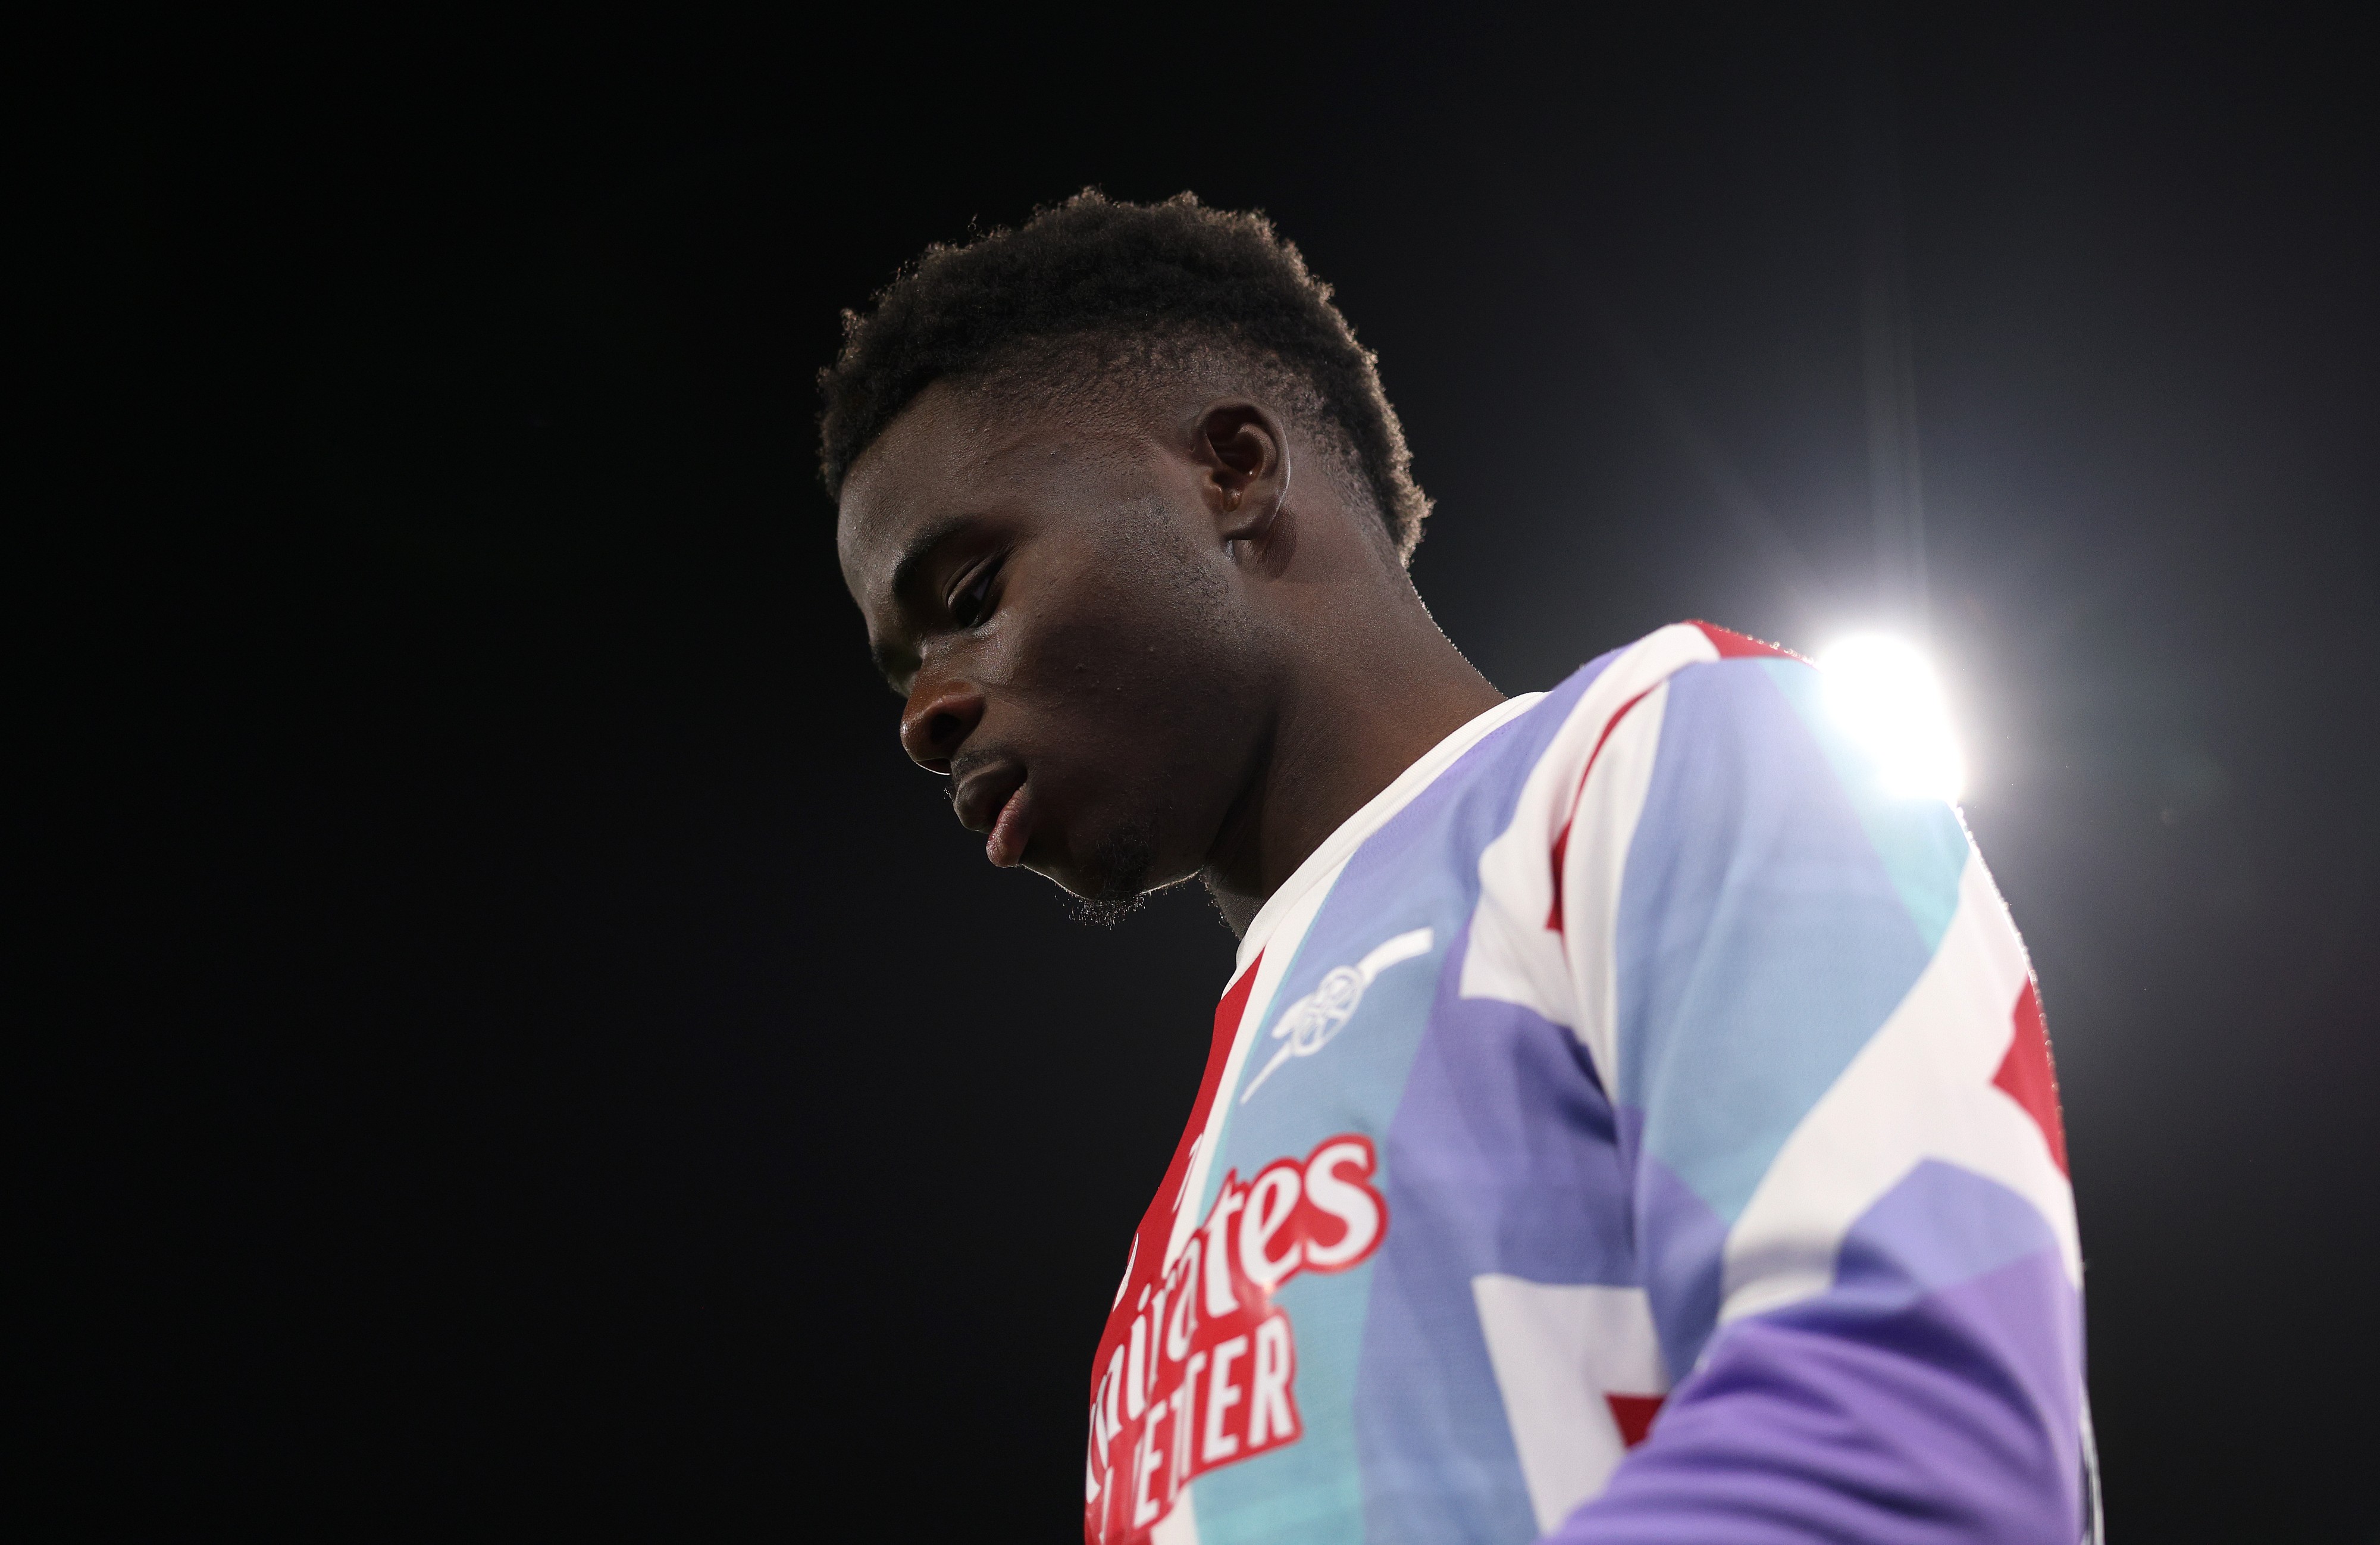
(1102, 911)
(1110, 886)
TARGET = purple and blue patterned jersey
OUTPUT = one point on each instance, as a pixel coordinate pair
(1636, 1124)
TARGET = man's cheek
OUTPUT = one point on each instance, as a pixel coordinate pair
(1004, 651)
(1083, 662)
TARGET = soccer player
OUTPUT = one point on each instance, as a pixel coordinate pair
(1630, 1117)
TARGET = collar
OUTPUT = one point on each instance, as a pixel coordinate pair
(1340, 845)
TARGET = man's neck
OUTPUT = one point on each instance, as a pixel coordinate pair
(1370, 705)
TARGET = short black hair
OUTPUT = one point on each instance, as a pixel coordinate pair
(1096, 272)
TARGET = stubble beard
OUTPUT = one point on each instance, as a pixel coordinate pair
(1124, 862)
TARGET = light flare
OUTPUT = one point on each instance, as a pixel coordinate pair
(1885, 695)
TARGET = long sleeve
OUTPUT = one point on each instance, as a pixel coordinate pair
(1826, 1062)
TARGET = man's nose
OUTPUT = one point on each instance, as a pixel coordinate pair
(938, 718)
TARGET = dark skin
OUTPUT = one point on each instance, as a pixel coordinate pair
(1147, 636)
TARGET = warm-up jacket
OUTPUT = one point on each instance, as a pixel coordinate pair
(1634, 1124)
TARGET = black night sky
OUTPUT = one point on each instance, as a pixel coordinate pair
(527, 1052)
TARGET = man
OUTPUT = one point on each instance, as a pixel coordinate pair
(1630, 1117)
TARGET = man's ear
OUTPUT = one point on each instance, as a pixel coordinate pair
(1244, 454)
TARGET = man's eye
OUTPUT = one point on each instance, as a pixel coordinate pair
(973, 603)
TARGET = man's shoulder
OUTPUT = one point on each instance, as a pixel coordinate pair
(1689, 720)
(1576, 716)
(1511, 796)
(1523, 786)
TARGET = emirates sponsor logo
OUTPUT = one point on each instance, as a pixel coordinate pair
(1204, 1371)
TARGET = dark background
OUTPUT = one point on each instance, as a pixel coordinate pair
(534, 1056)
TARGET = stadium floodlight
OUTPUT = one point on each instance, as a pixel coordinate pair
(1886, 697)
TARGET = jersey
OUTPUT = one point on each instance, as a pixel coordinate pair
(1634, 1124)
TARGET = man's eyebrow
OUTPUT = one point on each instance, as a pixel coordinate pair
(914, 558)
(920, 551)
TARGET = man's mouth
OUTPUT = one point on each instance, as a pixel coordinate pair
(995, 802)
(1005, 846)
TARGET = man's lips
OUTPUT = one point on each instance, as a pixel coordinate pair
(995, 802)
(1005, 846)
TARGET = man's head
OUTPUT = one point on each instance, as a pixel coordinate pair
(1104, 484)
(1094, 292)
